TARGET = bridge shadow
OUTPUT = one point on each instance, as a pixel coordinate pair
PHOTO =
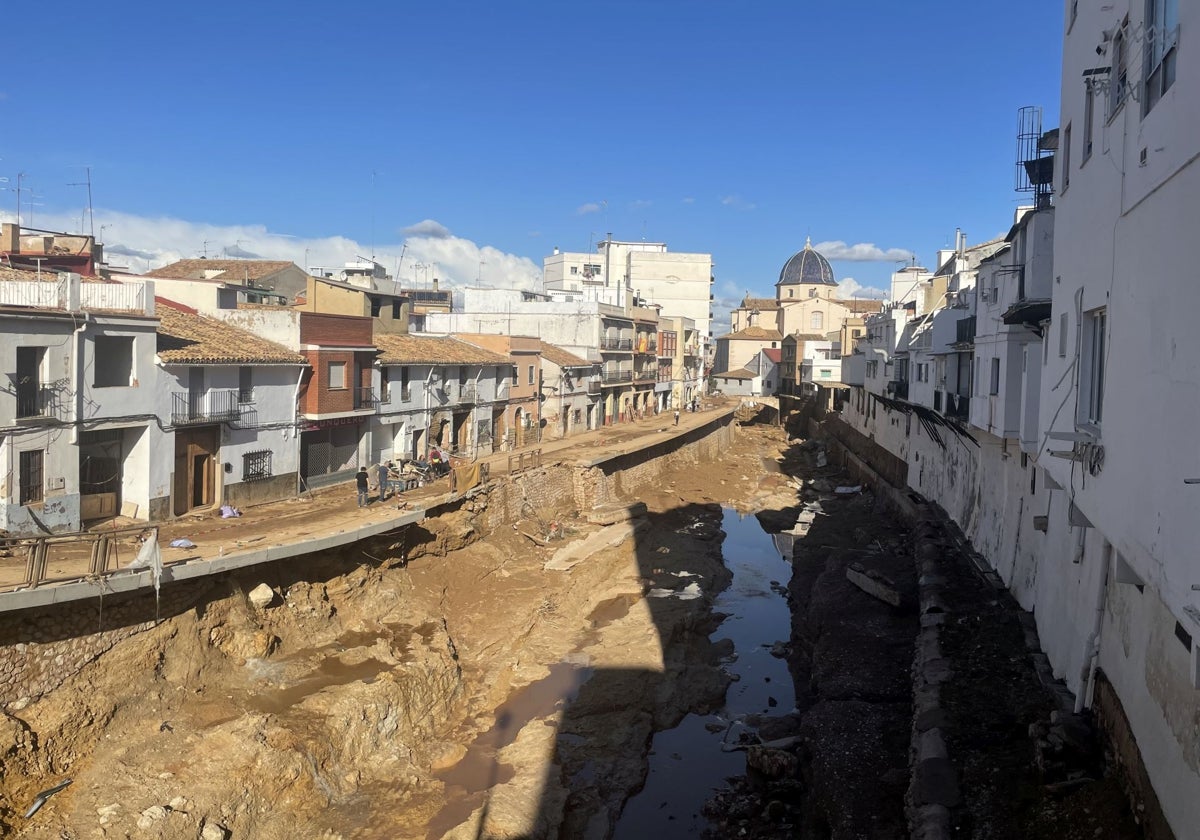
(603, 716)
(843, 771)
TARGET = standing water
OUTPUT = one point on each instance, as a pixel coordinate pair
(687, 763)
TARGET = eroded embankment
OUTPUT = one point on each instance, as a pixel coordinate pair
(358, 701)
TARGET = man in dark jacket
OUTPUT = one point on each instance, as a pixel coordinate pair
(363, 480)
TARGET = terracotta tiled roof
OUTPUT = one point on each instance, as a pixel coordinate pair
(31, 275)
(560, 357)
(809, 337)
(233, 271)
(756, 334)
(740, 373)
(774, 354)
(188, 338)
(759, 303)
(860, 306)
(432, 350)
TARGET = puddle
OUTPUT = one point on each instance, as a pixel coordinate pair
(330, 672)
(614, 609)
(686, 763)
(468, 781)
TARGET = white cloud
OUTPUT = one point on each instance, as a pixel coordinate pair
(590, 207)
(737, 202)
(851, 288)
(689, 200)
(144, 243)
(428, 228)
(640, 204)
(862, 252)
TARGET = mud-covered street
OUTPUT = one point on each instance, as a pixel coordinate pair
(455, 681)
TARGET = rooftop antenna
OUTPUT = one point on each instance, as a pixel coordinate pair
(479, 276)
(204, 249)
(88, 183)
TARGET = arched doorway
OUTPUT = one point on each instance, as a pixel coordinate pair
(518, 427)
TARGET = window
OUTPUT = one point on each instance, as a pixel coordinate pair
(337, 375)
(855, 333)
(245, 385)
(31, 399)
(113, 365)
(574, 269)
(1062, 335)
(31, 477)
(1118, 80)
(405, 391)
(826, 373)
(923, 372)
(384, 384)
(1091, 378)
(256, 465)
(791, 292)
(531, 374)
(994, 387)
(1066, 158)
(817, 320)
(1089, 114)
(812, 293)
(1162, 42)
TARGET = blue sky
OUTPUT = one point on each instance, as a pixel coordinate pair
(493, 132)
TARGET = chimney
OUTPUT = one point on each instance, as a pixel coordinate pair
(435, 284)
(10, 238)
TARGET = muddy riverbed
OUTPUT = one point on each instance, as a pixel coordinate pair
(689, 671)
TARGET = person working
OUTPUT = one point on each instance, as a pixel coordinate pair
(363, 480)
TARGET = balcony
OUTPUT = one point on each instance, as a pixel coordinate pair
(965, 331)
(898, 388)
(691, 350)
(958, 406)
(615, 377)
(365, 398)
(593, 386)
(37, 402)
(502, 391)
(617, 344)
(467, 394)
(645, 376)
(212, 406)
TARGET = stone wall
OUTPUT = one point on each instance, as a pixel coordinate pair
(40, 648)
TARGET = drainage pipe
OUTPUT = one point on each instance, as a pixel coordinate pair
(1092, 648)
(77, 345)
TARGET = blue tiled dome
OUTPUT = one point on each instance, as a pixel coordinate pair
(806, 266)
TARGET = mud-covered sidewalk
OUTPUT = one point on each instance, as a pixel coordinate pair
(921, 708)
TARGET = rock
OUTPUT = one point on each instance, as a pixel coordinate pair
(772, 763)
(445, 755)
(873, 583)
(261, 596)
(780, 650)
(151, 815)
(936, 783)
(213, 831)
(179, 803)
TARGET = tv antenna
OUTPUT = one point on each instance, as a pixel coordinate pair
(88, 183)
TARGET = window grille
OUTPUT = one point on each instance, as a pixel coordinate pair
(256, 465)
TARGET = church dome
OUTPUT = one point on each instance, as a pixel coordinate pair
(806, 266)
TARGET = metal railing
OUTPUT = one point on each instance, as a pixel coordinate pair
(614, 376)
(37, 401)
(466, 393)
(616, 344)
(524, 460)
(212, 406)
(958, 406)
(365, 398)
